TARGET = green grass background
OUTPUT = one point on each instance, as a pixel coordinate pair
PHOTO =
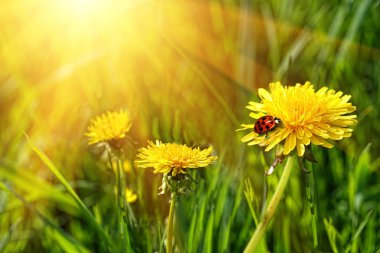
(184, 70)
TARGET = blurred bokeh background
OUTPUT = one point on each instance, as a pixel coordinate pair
(185, 71)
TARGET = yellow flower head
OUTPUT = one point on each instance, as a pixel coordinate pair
(110, 127)
(307, 117)
(174, 158)
(130, 196)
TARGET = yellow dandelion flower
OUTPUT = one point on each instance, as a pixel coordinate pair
(307, 117)
(110, 127)
(174, 158)
(130, 196)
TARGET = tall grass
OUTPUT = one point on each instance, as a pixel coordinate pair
(185, 70)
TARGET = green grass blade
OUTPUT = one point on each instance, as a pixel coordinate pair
(332, 233)
(90, 218)
(199, 231)
(359, 230)
(191, 233)
(66, 244)
(27, 181)
(65, 240)
(293, 53)
(312, 212)
(206, 81)
(354, 26)
(250, 197)
(208, 234)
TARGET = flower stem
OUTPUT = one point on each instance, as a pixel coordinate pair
(311, 205)
(272, 206)
(169, 248)
(122, 203)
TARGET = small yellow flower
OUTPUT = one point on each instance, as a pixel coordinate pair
(126, 166)
(130, 196)
(307, 117)
(110, 127)
(174, 158)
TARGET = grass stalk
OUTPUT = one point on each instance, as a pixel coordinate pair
(169, 248)
(89, 217)
(121, 202)
(273, 204)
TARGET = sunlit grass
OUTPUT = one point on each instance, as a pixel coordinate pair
(184, 70)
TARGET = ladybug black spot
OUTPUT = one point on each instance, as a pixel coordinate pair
(261, 129)
(267, 127)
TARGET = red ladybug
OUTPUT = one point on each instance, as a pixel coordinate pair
(266, 124)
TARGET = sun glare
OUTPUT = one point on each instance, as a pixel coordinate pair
(83, 7)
